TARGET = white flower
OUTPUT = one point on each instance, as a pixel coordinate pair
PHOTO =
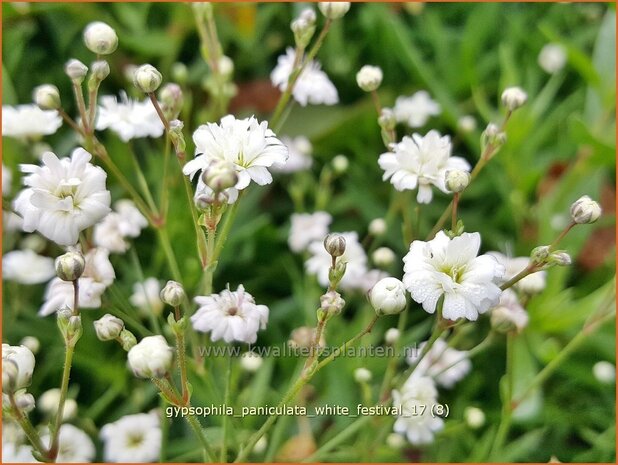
(15, 453)
(306, 228)
(63, 197)
(450, 268)
(509, 314)
(151, 357)
(147, 296)
(249, 145)
(416, 109)
(531, 284)
(125, 222)
(27, 267)
(320, 261)
(466, 124)
(604, 372)
(100, 38)
(391, 336)
(24, 361)
(377, 227)
(442, 363)
(29, 121)
(312, 86)
(417, 397)
(11, 221)
(388, 296)
(334, 10)
(299, 155)
(419, 161)
(552, 58)
(74, 445)
(98, 276)
(7, 179)
(362, 375)
(369, 78)
(132, 439)
(230, 315)
(474, 417)
(128, 118)
(383, 256)
(49, 401)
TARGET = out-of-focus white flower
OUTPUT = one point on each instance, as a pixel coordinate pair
(126, 221)
(340, 163)
(11, 222)
(23, 359)
(474, 417)
(585, 210)
(354, 256)
(388, 296)
(395, 441)
(416, 109)
(63, 197)
(334, 10)
(450, 268)
(100, 38)
(151, 357)
(147, 296)
(31, 343)
(312, 86)
(369, 78)
(604, 372)
(552, 58)
(29, 121)
(7, 179)
(421, 162)
(417, 397)
(362, 375)
(368, 279)
(27, 267)
(230, 315)
(391, 336)
(251, 362)
(377, 227)
(307, 228)
(74, 446)
(132, 439)
(531, 284)
(299, 155)
(509, 314)
(128, 118)
(49, 401)
(513, 98)
(466, 124)
(98, 275)
(16, 453)
(246, 143)
(443, 363)
(383, 256)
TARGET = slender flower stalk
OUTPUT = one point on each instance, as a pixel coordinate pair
(227, 400)
(391, 368)
(31, 433)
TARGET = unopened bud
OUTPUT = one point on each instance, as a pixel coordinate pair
(466, 124)
(387, 120)
(108, 327)
(513, 98)
(331, 303)
(100, 38)
(179, 72)
(475, 417)
(540, 254)
(585, 210)
(32, 343)
(100, 70)
(395, 441)
(147, 78)
(456, 180)
(604, 372)
(17, 367)
(335, 244)
(560, 258)
(74, 329)
(369, 78)
(377, 227)
(340, 164)
(303, 32)
(127, 339)
(173, 294)
(334, 10)
(76, 70)
(388, 296)
(151, 358)
(383, 256)
(70, 266)
(308, 14)
(226, 66)
(220, 175)
(47, 97)
(303, 338)
(171, 99)
(251, 362)
(176, 135)
(10, 372)
(362, 375)
(391, 336)
(24, 401)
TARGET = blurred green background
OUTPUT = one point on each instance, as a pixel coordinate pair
(560, 146)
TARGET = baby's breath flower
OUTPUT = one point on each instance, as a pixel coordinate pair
(126, 221)
(552, 58)
(466, 124)
(442, 363)
(27, 267)
(132, 439)
(377, 227)
(416, 109)
(146, 296)
(513, 98)
(383, 256)
(29, 121)
(74, 446)
(474, 417)
(417, 425)
(362, 375)
(604, 372)
(128, 118)
(251, 362)
(306, 228)
(21, 362)
(509, 315)
(388, 296)
(49, 401)
(299, 155)
(100, 38)
(531, 284)
(151, 357)
(391, 336)
(32, 343)
(340, 164)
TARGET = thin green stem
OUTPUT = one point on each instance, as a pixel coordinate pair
(169, 253)
(199, 432)
(227, 401)
(338, 439)
(182, 364)
(391, 368)
(564, 232)
(70, 122)
(479, 348)
(225, 230)
(31, 433)
(81, 106)
(505, 419)
(141, 179)
(164, 195)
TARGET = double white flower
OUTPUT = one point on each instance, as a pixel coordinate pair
(29, 121)
(132, 438)
(128, 118)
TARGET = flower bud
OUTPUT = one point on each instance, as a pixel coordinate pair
(362, 375)
(70, 266)
(147, 78)
(127, 339)
(100, 38)
(391, 336)
(173, 294)
(303, 32)
(179, 72)
(260, 445)
(100, 70)
(383, 256)
(540, 254)
(388, 296)
(513, 98)
(335, 244)
(74, 329)
(176, 135)
(226, 66)
(303, 338)
(369, 78)
(466, 124)
(308, 14)
(560, 258)
(503, 321)
(335, 275)
(32, 343)
(334, 10)
(340, 164)
(251, 362)
(108, 327)
(19, 361)
(456, 180)
(76, 70)
(220, 175)
(332, 303)
(493, 136)
(395, 441)
(387, 119)
(49, 401)
(604, 372)
(171, 99)
(377, 227)
(151, 358)
(47, 97)
(474, 417)
(585, 210)
(24, 401)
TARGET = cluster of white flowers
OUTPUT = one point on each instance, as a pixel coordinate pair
(74, 445)
(420, 162)
(509, 314)
(307, 228)
(132, 439)
(27, 267)
(147, 296)
(416, 109)
(245, 143)
(531, 284)
(14, 449)
(29, 121)
(442, 363)
(128, 118)
(299, 155)
(230, 315)
(98, 276)
(63, 197)
(124, 222)
(312, 86)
